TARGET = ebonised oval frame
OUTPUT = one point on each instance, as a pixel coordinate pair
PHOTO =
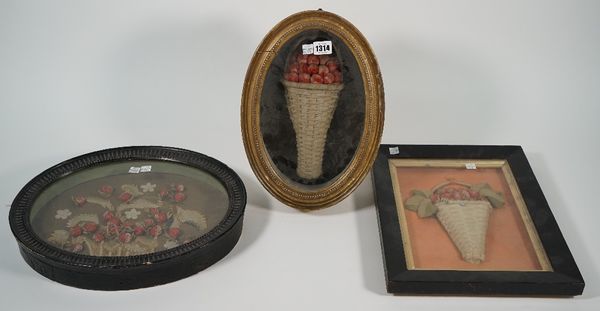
(285, 190)
(128, 272)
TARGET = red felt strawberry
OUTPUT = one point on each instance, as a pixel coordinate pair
(465, 195)
(474, 195)
(294, 68)
(160, 217)
(79, 200)
(125, 237)
(164, 193)
(179, 197)
(108, 215)
(155, 231)
(316, 79)
(332, 64)
(292, 77)
(106, 190)
(313, 59)
(75, 231)
(303, 68)
(90, 227)
(125, 197)
(302, 59)
(328, 78)
(337, 75)
(456, 195)
(98, 237)
(148, 222)
(323, 70)
(138, 230)
(174, 232)
(115, 221)
(304, 78)
(312, 69)
(129, 225)
(323, 59)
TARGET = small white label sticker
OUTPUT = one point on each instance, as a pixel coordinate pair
(307, 49)
(471, 166)
(322, 47)
(394, 150)
(134, 170)
(146, 168)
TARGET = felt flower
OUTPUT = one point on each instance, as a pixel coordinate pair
(62, 214)
(148, 187)
(132, 214)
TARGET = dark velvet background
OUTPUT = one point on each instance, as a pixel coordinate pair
(347, 124)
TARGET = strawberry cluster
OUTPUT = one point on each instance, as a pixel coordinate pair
(83, 228)
(455, 193)
(153, 222)
(173, 193)
(318, 69)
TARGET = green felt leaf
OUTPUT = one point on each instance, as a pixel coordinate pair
(426, 209)
(495, 198)
(479, 187)
(497, 201)
(424, 193)
(413, 202)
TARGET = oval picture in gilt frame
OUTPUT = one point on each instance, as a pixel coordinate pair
(312, 109)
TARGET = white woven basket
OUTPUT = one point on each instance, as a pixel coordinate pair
(311, 107)
(466, 223)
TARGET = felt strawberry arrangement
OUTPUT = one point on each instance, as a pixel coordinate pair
(317, 69)
(135, 220)
(312, 85)
(463, 210)
(424, 201)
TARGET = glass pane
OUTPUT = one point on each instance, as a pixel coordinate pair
(313, 108)
(129, 208)
(456, 217)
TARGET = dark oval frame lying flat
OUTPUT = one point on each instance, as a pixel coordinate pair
(289, 192)
(128, 272)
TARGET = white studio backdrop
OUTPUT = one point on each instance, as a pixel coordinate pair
(78, 76)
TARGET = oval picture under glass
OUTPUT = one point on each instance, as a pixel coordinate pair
(312, 109)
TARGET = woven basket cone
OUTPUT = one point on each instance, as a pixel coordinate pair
(311, 108)
(466, 223)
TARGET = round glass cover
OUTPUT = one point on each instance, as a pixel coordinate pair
(129, 208)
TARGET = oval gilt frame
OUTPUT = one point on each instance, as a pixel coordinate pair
(287, 191)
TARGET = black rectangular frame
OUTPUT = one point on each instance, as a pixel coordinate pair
(564, 280)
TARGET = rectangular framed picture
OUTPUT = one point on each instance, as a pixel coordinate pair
(468, 220)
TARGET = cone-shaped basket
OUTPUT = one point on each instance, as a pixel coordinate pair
(311, 108)
(466, 223)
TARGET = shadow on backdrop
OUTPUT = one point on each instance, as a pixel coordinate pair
(368, 237)
(256, 216)
(559, 207)
(430, 91)
(174, 80)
